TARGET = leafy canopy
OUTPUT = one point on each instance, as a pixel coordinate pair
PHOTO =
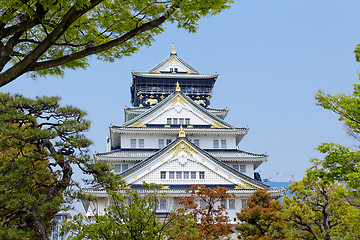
(40, 142)
(320, 210)
(48, 36)
(130, 215)
(262, 218)
(321, 207)
(341, 164)
(211, 218)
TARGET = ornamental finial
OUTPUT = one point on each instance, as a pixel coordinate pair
(177, 89)
(173, 52)
(181, 132)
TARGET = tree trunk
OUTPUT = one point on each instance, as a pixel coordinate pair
(35, 223)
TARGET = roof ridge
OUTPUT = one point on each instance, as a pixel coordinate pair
(164, 101)
(153, 69)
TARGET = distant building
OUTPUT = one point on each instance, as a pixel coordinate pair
(284, 185)
(171, 136)
(59, 219)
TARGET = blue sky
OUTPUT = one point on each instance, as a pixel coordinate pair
(272, 57)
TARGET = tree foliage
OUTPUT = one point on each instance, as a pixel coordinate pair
(262, 218)
(319, 210)
(211, 219)
(46, 37)
(341, 164)
(40, 142)
(131, 215)
(346, 106)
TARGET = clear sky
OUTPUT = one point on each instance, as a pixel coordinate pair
(272, 57)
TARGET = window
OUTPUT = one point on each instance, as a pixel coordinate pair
(242, 168)
(187, 121)
(171, 175)
(243, 203)
(141, 143)
(202, 203)
(202, 175)
(168, 121)
(133, 143)
(231, 203)
(59, 219)
(223, 143)
(186, 175)
(193, 175)
(175, 121)
(175, 69)
(168, 141)
(171, 69)
(163, 175)
(197, 142)
(178, 175)
(118, 168)
(216, 143)
(236, 167)
(125, 167)
(161, 143)
(121, 167)
(181, 121)
(223, 203)
(162, 204)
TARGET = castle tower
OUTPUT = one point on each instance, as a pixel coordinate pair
(149, 88)
(172, 137)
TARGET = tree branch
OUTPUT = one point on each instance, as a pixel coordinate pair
(84, 53)
(26, 23)
(23, 66)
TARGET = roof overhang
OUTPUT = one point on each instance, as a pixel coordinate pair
(274, 192)
(172, 131)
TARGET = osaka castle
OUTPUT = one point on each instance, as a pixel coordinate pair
(173, 137)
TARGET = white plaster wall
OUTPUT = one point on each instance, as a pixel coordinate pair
(130, 163)
(206, 141)
(108, 146)
(151, 141)
(97, 207)
(232, 212)
(115, 140)
(249, 167)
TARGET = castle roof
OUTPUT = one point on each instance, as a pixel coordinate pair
(248, 187)
(221, 123)
(174, 67)
(218, 162)
(139, 153)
